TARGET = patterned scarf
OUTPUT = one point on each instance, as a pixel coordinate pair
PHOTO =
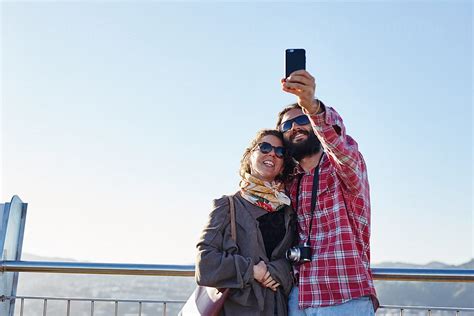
(269, 196)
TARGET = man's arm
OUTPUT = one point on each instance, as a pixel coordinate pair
(342, 150)
(329, 128)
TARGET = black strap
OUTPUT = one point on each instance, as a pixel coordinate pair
(314, 196)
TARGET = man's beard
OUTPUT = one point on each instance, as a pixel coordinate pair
(303, 149)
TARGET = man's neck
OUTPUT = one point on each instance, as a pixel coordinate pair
(310, 162)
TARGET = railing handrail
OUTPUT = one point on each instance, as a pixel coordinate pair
(97, 268)
(423, 274)
(383, 274)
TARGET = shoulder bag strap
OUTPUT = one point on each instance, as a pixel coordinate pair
(233, 229)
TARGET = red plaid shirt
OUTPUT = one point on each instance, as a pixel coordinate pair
(340, 267)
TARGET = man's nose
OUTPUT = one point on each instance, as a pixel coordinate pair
(294, 126)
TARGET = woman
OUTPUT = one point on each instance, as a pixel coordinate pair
(254, 267)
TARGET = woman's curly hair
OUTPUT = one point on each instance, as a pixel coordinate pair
(288, 163)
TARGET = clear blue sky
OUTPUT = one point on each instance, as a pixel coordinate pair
(121, 121)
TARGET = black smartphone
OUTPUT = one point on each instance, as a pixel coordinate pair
(295, 59)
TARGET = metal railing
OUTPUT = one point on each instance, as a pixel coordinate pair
(380, 274)
(97, 268)
(92, 301)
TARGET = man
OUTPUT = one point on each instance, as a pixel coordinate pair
(337, 280)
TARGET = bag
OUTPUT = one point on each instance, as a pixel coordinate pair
(205, 300)
(209, 301)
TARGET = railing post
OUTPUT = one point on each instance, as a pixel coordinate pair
(68, 312)
(22, 306)
(45, 307)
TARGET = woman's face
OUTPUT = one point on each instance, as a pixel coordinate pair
(266, 166)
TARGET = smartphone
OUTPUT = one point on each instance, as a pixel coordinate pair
(295, 59)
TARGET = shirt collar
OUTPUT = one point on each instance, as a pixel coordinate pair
(299, 170)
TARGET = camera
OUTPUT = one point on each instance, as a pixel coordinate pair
(299, 254)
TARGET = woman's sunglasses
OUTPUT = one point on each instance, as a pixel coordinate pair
(266, 148)
(300, 120)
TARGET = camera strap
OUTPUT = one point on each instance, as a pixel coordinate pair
(314, 196)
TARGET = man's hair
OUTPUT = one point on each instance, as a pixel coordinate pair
(280, 115)
(288, 164)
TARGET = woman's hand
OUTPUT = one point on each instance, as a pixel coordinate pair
(269, 282)
(262, 275)
(260, 271)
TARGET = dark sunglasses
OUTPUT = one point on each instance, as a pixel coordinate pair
(300, 120)
(266, 148)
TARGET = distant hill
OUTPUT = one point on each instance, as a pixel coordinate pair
(426, 293)
(179, 288)
(31, 257)
(467, 265)
(431, 265)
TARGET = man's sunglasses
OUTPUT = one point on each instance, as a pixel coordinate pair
(300, 120)
(266, 148)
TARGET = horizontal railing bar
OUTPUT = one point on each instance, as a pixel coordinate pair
(424, 275)
(433, 308)
(97, 268)
(381, 274)
(85, 299)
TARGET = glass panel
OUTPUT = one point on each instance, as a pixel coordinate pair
(13, 226)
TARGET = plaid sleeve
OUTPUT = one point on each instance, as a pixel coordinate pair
(341, 149)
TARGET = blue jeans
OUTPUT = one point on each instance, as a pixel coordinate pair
(361, 306)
